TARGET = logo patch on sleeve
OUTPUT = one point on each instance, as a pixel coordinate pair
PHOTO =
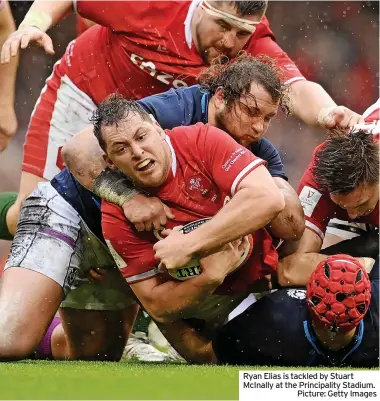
(309, 198)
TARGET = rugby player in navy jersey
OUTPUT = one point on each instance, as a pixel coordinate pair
(334, 321)
(241, 97)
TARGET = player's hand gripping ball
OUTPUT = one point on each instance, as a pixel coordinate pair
(193, 267)
(339, 293)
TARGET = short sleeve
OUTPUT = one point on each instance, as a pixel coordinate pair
(316, 203)
(133, 252)
(264, 42)
(111, 14)
(226, 161)
(264, 149)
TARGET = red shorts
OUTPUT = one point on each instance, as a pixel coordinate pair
(61, 111)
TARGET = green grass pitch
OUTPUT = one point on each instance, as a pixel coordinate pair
(39, 380)
(129, 381)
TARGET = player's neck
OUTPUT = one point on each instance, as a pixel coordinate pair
(333, 340)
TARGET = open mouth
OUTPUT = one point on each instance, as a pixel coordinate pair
(146, 165)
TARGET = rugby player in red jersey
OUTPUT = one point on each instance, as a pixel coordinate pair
(341, 182)
(218, 191)
(142, 48)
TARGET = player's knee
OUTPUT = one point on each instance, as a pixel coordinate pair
(15, 345)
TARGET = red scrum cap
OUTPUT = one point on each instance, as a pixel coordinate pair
(338, 293)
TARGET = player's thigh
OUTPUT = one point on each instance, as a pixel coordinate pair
(28, 302)
(97, 335)
(61, 111)
(27, 184)
(47, 247)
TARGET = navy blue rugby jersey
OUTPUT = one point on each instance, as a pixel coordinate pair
(276, 330)
(188, 106)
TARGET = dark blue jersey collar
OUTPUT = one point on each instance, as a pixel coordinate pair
(204, 107)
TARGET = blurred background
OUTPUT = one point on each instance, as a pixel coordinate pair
(334, 43)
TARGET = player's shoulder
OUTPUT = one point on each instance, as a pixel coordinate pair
(159, 11)
(262, 30)
(191, 133)
(172, 94)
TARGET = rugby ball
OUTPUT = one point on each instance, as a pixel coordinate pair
(193, 267)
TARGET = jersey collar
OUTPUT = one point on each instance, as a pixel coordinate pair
(174, 158)
(204, 107)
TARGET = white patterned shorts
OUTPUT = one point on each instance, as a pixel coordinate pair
(52, 239)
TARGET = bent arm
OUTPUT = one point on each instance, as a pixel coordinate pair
(289, 224)
(296, 268)
(256, 203)
(301, 93)
(167, 301)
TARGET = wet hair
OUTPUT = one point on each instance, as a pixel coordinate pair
(236, 76)
(111, 111)
(244, 8)
(346, 161)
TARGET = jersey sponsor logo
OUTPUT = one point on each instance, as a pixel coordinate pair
(187, 228)
(150, 68)
(309, 198)
(297, 294)
(120, 262)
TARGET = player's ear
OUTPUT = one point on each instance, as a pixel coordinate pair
(109, 161)
(219, 99)
(157, 125)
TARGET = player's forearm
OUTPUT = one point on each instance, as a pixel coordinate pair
(296, 269)
(168, 302)
(45, 14)
(7, 71)
(248, 211)
(188, 342)
(308, 99)
(289, 224)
